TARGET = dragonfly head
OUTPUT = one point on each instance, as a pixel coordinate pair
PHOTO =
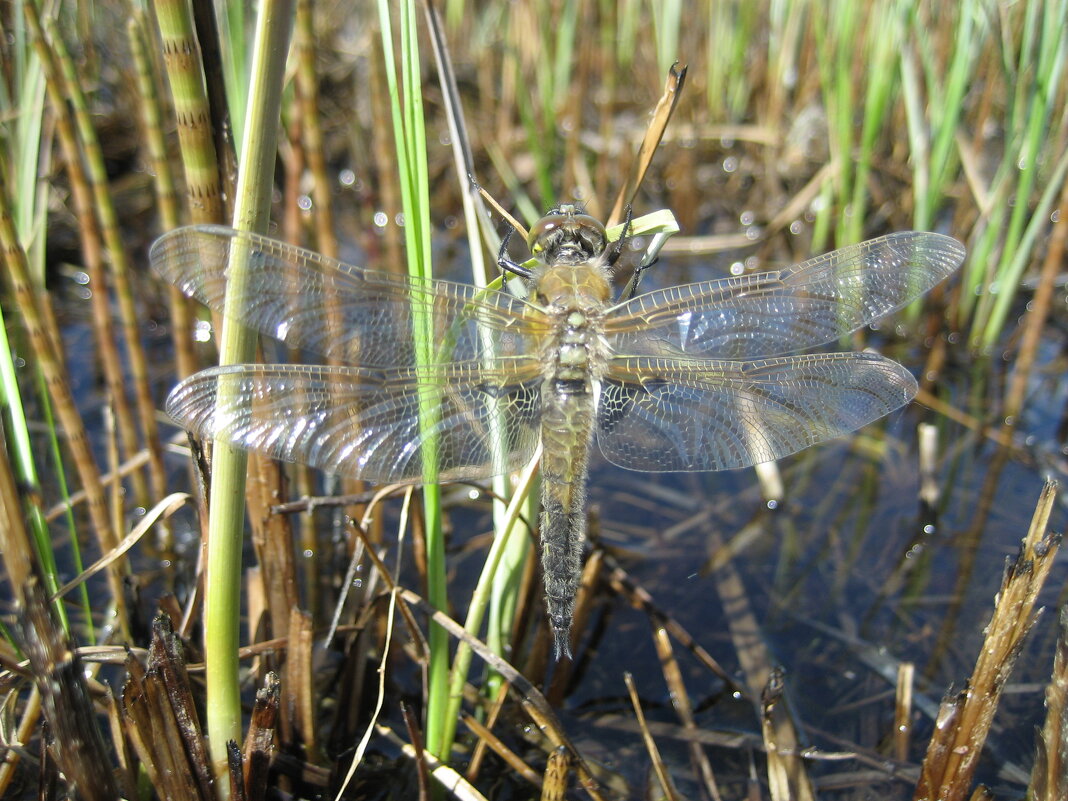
(564, 236)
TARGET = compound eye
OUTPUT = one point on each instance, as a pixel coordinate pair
(594, 229)
(542, 229)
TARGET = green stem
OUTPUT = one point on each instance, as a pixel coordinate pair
(227, 504)
(410, 134)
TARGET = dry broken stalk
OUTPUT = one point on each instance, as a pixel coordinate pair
(76, 743)
(260, 741)
(965, 717)
(1049, 777)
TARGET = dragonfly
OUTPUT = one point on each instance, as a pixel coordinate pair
(696, 377)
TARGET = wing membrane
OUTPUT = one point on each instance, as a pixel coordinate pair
(805, 305)
(365, 423)
(666, 415)
(348, 313)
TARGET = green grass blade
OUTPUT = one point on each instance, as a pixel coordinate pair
(410, 137)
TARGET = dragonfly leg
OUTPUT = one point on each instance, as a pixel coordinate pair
(631, 289)
(617, 247)
(508, 265)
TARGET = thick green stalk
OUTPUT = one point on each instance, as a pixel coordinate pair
(200, 161)
(166, 192)
(222, 605)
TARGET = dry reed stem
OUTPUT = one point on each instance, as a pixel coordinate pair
(788, 777)
(293, 158)
(780, 781)
(415, 737)
(478, 753)
(19, 561)
(107, 479)
(533, 702)
(91, 241)
(383, 160)
(31, 716)
(272, 539)
(145, 732)
(475, 211)
(1049, 776)
(236, 772)
(77, 743)
(299, 683)
(928, 455)
(667, 787)
(117, 260)
(260, 743)
(418, 638)
(126, 774)
(307, 95)
(444, 775)
(997, 435)
(161, 511)
(487, 739)
(639, 598)
(965, 718)
(167, 659)
(554, 781)
(209, 64)
(906, 672)
(680, 701)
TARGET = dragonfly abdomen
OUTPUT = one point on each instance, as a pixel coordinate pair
(567, 418)
(574, 358)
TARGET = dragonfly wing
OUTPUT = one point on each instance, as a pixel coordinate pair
(667, 415)
(766, 314)
(366, 423)
(347, 313)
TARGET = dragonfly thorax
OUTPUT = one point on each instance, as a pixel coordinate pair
(563, 287)
(574, 297)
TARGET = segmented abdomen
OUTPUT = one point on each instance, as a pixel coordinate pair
(567, 420)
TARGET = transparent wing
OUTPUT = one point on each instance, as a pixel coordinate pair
(344, 312)
(766, 314)
(666, 415)
(365, 423)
